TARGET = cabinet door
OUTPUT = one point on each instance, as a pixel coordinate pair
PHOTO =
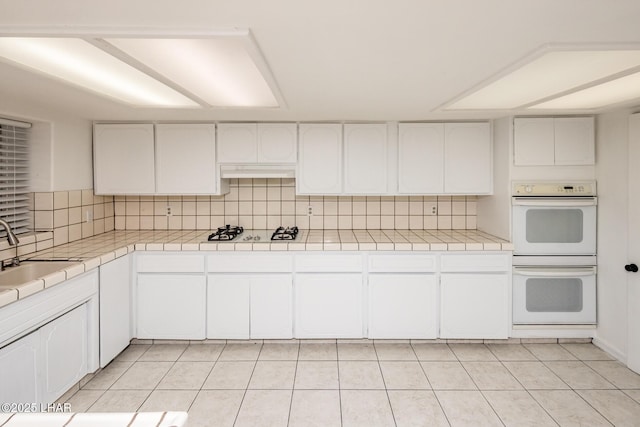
(574, 141)
(115, 308)
(403, 306)
(320, 159)
(185, 159)
(474, 306)
(123, 159)
(328, 306)
(271, 307)
(19, 367)
(421, 158)
(171, 306)
(277, 143)
(365, 159)
(64, 346)
(467, 158)
(228, 300)
(237, 143)
(533, 141)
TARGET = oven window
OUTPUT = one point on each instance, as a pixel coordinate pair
(554, 225)
(551, 294)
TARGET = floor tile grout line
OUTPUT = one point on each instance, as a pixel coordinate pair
(244, 395)
(446, 417)
(293, 385)
(215, 362)
(116, 380)
(384, 383)
(421, 367)
(575, 391)
(476, 384)
(526, 390)
(165, 374)
(339, 385)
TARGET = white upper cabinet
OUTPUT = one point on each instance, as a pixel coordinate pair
(445, 158)
(365, 159)
(123, 159)
(574, 141)
(186, 159)
(170, 159)
(237, 143)
(468, 158)
(533, 141)
(548, 141)
(319, 168)
(277, 143)
(240, 143)
(420, 158)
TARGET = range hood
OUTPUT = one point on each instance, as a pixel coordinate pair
(257, 171)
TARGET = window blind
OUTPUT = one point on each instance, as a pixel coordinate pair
(14, 175)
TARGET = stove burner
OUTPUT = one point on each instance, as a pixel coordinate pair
(282, 233)
(226, 233)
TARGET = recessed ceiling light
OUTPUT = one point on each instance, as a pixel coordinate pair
(79, 63)
(612, 92)
(547, 75)
(218, 70)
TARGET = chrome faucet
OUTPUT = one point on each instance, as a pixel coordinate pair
(11, 237)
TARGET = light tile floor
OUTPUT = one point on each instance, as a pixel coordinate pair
(367, 384)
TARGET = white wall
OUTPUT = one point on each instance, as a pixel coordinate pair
(61, 157)
(612, 176)
(72, 154)
(494, 212)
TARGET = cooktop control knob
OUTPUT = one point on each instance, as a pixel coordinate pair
(528, 189)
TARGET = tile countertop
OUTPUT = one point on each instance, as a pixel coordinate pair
(94, 251)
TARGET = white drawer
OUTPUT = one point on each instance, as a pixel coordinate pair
(170, 263)
(330, 263)
(402, 263)
(250, 263)
(475, 262)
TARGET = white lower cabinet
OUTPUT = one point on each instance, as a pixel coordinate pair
(403, 306)
(271, 307)
(328, 305)
(474, 305)
(242, 306)
(115, 308)
(228, 300)
(64, 345)
(19, 370)
(42, 366)
(171, 306)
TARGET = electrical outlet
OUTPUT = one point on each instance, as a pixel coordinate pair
(310, 210)
(87, 216)
(168, 210)
(431, 209)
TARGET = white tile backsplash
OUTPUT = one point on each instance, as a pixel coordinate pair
(257, 203)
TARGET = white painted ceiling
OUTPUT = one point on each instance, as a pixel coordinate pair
(332, 59)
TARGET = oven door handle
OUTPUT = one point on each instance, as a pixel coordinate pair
(555, 272)
(564, 202)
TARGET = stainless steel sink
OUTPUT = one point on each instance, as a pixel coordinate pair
(30, 270)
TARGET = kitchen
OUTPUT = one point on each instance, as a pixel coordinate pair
(341, 68)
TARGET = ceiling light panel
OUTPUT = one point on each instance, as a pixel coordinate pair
(79, 63)
(548, 75)
(612, 92)
(218, 70)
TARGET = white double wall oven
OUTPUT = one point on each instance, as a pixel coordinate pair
(554, 263)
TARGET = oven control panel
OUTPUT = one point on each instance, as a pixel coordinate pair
(554, 189)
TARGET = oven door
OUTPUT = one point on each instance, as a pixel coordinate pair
(554, 295)
(554, 226)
